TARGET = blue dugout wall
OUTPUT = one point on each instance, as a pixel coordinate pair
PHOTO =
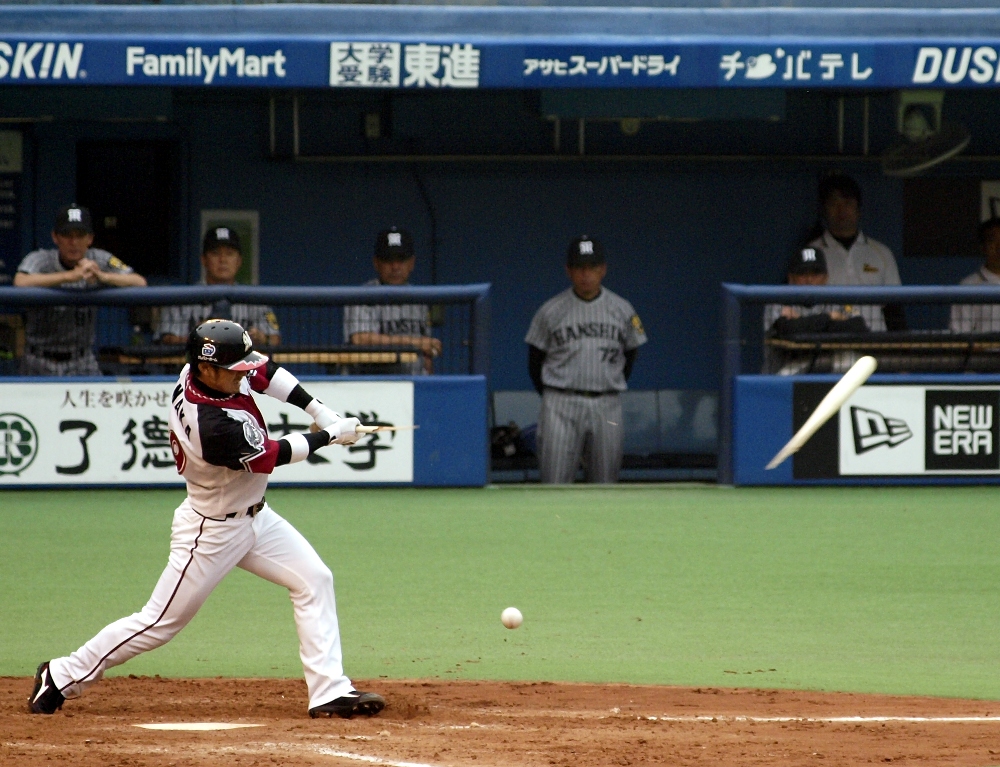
(90, 431)
(896, 429)
(112, 432)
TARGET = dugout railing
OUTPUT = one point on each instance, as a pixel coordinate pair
(927, 346)
(310, 318)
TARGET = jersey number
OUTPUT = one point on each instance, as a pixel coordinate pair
(610, 354)
(179, 457)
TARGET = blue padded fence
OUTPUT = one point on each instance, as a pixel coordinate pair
(739, 336)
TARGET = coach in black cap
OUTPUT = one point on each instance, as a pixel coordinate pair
(59, 339)
(807, 266)
(407, 325)
(582, 344)
(221, 259)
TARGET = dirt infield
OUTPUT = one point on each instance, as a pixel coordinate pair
(439, 723)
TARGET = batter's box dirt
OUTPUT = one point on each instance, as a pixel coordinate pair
(450, 724)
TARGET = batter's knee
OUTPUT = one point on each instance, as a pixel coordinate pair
(317, 582)
(325, 579)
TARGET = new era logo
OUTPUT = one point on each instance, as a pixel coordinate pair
(74, 214)
(872, 429)
(962, 432)
(395, 240)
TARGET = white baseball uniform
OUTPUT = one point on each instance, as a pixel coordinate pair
(221, 448)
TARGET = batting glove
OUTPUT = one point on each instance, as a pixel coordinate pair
(322, 415)
(343, 431)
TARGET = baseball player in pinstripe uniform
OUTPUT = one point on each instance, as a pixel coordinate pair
(582, 345)
(981, 318)
(393, 324)
(59, 340)
(221, 259)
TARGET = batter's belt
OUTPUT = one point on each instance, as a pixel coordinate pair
(250, 511)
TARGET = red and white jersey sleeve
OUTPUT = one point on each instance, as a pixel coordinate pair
(220, 444)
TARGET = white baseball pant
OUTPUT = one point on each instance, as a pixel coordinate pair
(202, 551)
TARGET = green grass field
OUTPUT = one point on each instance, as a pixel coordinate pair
(879, 589)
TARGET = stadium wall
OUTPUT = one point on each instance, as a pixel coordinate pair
(673, 230)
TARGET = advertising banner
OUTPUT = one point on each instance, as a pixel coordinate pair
(433, 63)
(903, 431)
(116, 433)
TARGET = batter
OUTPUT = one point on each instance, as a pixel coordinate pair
(581, 347)
(221, 448)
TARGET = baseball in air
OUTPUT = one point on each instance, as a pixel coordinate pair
(511, 617)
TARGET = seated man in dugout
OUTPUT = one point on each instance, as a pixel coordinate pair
(59, 340)
(221, 260)
(808, 267)
(393, 324)
(981, 318)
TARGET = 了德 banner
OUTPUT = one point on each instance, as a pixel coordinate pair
(110, 432)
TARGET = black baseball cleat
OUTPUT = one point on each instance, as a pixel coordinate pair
(346, 706)
(45, 698)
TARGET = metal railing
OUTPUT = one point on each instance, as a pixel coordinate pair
(310, 319)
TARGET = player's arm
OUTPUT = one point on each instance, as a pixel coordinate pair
(116, 273)
(260, 338)
(174, 323)
(121, 279)
(263, 326)
(275, 381)
(635, 336)
(427, 344)
(536, 358)
(235, 443)
(49, 280)
(630, 355)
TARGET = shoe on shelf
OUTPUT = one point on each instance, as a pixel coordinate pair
(346, 706)
(45, 698)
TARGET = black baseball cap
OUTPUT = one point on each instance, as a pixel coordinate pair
(394, 245)
(73, 218)
(584, 251)
(220, 236)
(807, 261)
